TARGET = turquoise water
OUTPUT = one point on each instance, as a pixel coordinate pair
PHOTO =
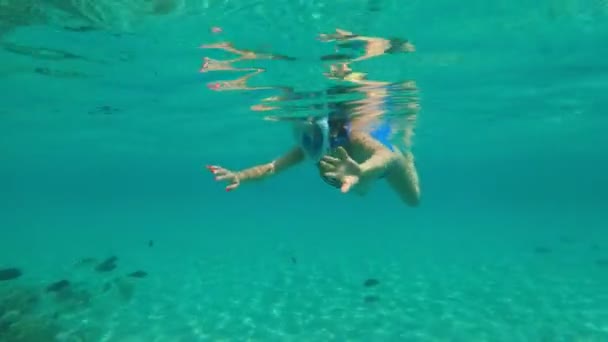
(106, 125)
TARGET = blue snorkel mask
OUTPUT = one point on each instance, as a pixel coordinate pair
(313, 136)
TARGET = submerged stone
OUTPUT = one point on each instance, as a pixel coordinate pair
(107, 265)
(10, 273)
(58, 286)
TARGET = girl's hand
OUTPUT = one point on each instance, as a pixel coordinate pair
(225, 175)
(342, 168)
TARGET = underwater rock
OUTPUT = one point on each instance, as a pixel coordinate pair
(18, 299)
(542, 250)
(58, 286)
(107, 265)
(70, 297)
(138, 274)
(7, 320)
(371, 282)
(10, 273)
(32, 329)
(371, 299)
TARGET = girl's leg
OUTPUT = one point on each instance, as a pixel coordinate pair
(403, 179)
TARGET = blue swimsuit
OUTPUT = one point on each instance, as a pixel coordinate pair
(313, 145)
(382, 133)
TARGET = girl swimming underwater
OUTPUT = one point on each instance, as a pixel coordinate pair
(348, 154)
(347, 158)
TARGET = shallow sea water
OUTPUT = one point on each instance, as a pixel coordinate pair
(106, 125)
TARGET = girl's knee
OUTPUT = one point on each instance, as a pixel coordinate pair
(413, 200)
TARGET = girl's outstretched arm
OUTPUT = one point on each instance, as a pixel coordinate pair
(291, 158)
(235, 178)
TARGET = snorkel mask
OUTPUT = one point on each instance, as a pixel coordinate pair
(313, 136)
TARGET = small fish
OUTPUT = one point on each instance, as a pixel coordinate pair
(371, 282)
(10, 273)
(294, 260)
(151, 243)
(107, 265)
(138, 274)
(58, 286)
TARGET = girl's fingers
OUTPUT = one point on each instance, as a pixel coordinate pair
(232, 186)
(342, 154)
(217, 170)
(331, 175)
(330, 160)
(345, 187)
(223, 177)
(327, 166)
(347, 184)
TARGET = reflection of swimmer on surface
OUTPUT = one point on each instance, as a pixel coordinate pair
(373, 46)
(376, 92)
(240, 83)
(351, 145)
(210, 64)
(218, 65)
(245, 54)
